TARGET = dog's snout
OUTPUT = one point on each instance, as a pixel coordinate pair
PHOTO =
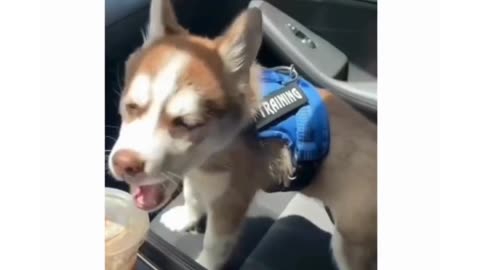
(128, 163)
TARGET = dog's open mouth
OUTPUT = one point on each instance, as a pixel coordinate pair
(149, 197)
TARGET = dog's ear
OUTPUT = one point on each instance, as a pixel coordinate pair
(162, 21)
(239, 46)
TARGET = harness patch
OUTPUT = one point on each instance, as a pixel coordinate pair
(283, 102)
(293, 111)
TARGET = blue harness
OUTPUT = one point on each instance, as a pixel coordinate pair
(293, 111)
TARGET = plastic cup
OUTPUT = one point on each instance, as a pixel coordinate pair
(121, 250)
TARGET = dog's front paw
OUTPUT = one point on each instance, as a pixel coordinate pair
(208, 261)
(202, 260)
(179, 219)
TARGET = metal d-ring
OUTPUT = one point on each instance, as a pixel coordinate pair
(290, 70)
(293, 175)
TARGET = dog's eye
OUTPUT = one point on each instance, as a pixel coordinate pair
(132, 108)
(184, 123)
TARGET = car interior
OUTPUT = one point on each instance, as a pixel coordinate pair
(332, 43)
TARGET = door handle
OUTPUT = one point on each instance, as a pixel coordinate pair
(301, 36)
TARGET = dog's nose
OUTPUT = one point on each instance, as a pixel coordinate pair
(128, 163)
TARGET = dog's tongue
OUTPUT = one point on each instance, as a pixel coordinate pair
(148, 197)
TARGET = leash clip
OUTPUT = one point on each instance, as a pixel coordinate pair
(290, 70)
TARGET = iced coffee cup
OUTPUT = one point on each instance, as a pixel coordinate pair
(125, 230)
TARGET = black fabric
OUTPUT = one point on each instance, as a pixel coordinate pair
(292, 242)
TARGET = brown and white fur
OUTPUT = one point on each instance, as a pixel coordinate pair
(185, 110)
